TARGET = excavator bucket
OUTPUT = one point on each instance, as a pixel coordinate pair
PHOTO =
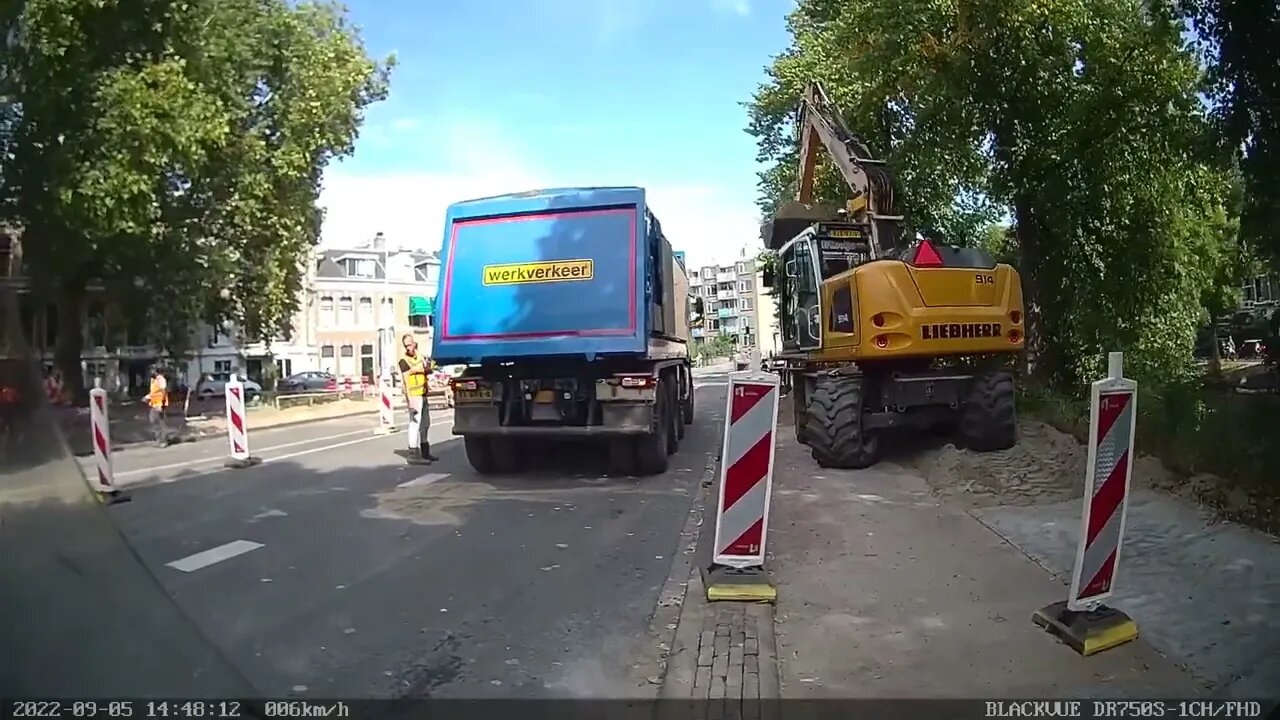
(82, 616)
(791, 219)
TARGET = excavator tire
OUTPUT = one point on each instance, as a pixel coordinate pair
(652, 451)
(798, 414)
(834, 425)
(988, 416)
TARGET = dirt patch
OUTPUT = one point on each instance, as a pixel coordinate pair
(1048, 465)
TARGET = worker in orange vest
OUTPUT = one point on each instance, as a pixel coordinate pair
(413, 379)
(158, 401)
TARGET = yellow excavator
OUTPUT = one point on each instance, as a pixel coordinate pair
(880, 330)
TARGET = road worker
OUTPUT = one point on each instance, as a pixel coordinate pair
(413, 379)
(157, 402)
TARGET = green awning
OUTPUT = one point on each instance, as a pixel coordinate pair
(419, 305)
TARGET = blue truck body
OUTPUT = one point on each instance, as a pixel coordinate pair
(563, 305)
(539, 274)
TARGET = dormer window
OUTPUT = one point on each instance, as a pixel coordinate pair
(361, 267)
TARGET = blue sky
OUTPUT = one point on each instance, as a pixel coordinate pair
(494, 96)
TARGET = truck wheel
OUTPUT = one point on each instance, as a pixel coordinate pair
(506, 454)
(798, 415)
(834, 425)
(686, 406)
(988, 418)
(479, 454)
(675, 425)
(652, 450)
(622, 457)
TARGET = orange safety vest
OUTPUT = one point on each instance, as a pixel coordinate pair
(159, 396)
(414, 370)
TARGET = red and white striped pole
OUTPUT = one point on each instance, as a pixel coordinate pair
(1083, 621)
(746, 486)
(386, 407)
(238, 426)
(104, 482)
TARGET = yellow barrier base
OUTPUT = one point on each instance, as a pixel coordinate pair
(738, 585)
(1087, 633)
(112, 497)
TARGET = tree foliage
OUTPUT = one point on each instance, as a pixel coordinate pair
(173, 152)
(1078, 121)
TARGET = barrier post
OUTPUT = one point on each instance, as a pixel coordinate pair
(104, 484)
(1083, 621)
(238, 426)
(746, 486)
(386, 408)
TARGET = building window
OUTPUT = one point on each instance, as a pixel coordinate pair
(366, 312)
(221, 367)
(366, 361)
(348, 351)
(327, 362)
(746, 304)
(326, 351)
(361, 267)
(326, 311)
(346, 311)
(744, 286)
(742, 268)
(420, 321)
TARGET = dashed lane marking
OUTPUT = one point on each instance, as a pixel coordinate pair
(213, 556)
(424, 480)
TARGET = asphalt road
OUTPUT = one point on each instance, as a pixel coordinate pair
(336, 569)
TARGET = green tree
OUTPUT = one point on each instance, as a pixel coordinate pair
(1081, 122)
(173, 151)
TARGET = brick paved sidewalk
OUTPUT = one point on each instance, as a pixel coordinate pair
(724, 652)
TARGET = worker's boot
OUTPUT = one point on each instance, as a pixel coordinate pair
(426, 454)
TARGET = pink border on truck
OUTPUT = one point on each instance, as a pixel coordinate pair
(599, 332)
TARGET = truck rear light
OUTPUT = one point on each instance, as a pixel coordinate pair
(1015, 317)
(1015, 337)
(882, 341)
(637, 381)
(464, 384)
(878, 320)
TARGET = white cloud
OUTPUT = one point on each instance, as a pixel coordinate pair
(737, 7)
(709, 223)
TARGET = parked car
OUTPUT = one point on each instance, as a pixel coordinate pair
(312, 381)
(215, 385)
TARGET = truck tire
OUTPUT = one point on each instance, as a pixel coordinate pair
(506, 454)
(988, 416)
(675, 431)
(686, 406)
(833, 425)
(479, 454)
(653, 454)
(622, 457)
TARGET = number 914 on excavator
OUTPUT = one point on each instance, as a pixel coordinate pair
(879, 330)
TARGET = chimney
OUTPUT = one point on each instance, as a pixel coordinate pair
(379, 242)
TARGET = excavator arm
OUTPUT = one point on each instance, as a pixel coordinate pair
(872, 202)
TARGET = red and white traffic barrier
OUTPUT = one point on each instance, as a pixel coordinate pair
(386, 408)
(238, 426)
(104, 482)
(746, 487)
(1083, 621)
(346, 384)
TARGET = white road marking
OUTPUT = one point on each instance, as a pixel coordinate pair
(212, 556)
(308, 441)
(424, 480)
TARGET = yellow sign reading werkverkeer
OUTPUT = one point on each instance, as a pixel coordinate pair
(538, 272)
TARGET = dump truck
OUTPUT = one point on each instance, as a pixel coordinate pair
(565, 307)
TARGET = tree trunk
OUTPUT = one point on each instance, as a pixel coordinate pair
(69, 345)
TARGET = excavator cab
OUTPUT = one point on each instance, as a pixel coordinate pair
(880, 333)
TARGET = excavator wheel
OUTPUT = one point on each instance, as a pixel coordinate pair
(834, 425)
(988, 417)
(798, 414)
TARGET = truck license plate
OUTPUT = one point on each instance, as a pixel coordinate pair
(845, 234)
(485, 394)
